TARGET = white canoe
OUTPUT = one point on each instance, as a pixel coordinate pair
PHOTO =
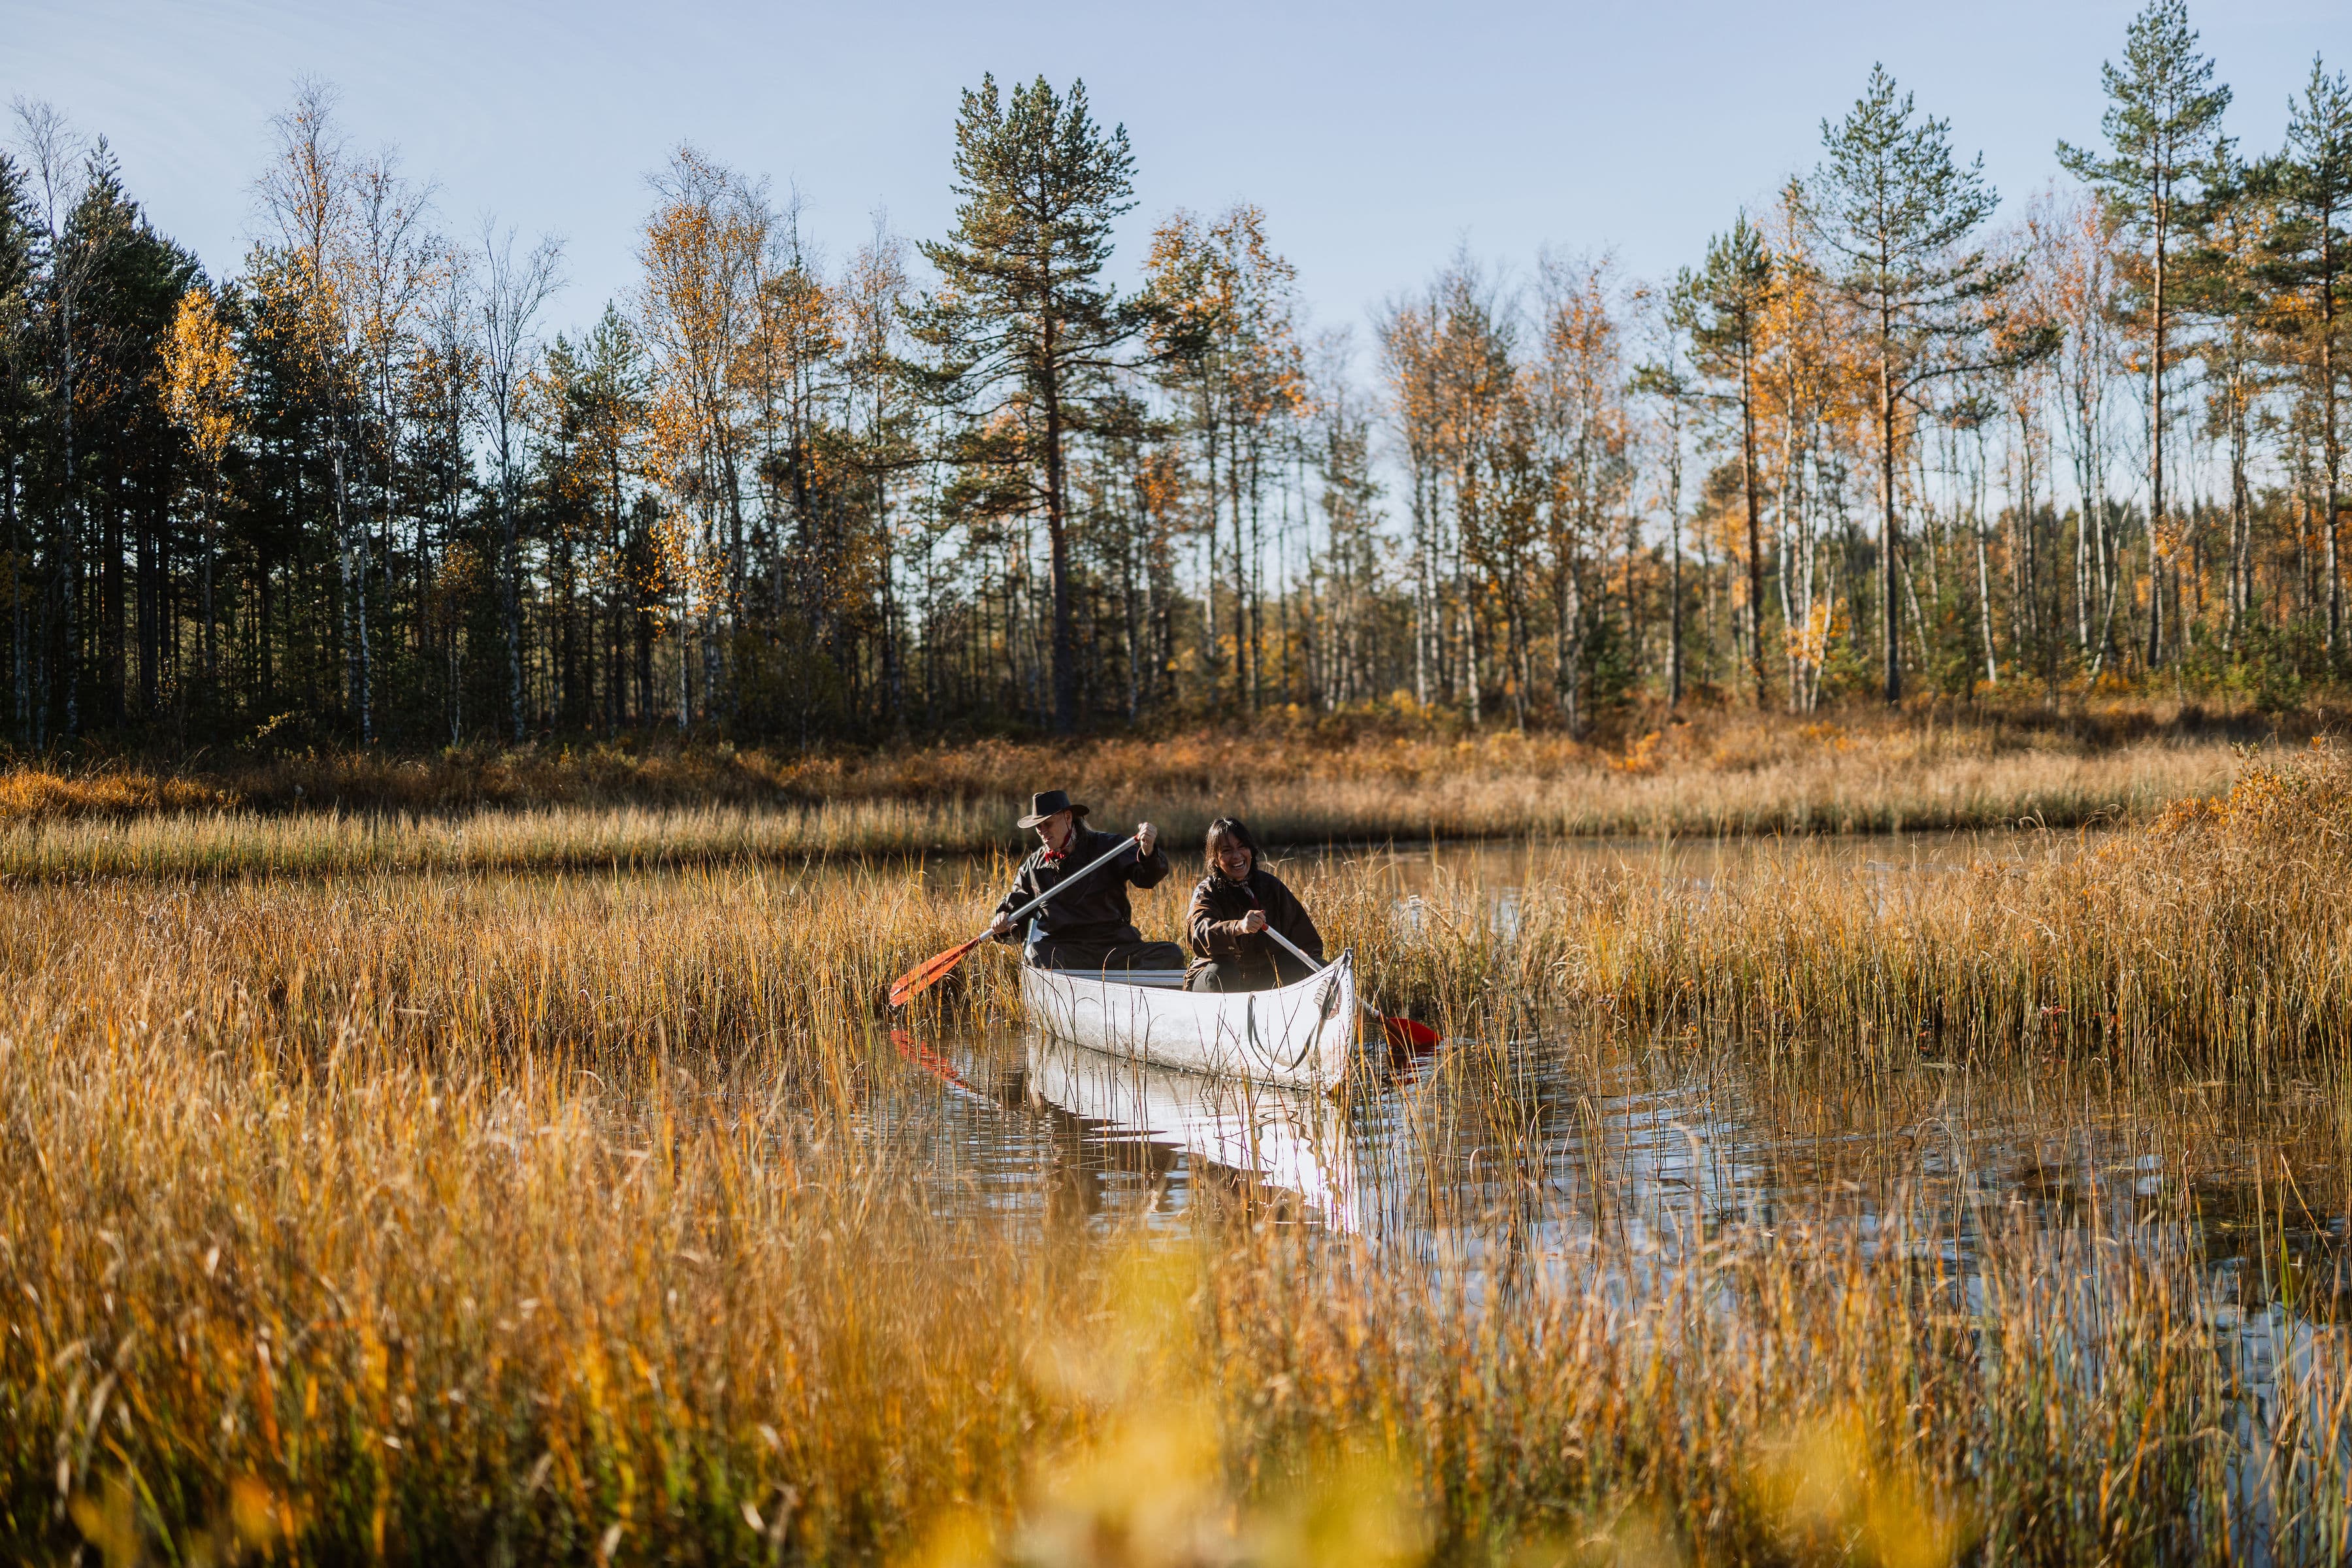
(1302, 1035)
(1285, 1138)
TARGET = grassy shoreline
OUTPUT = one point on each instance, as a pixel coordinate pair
(2213, 930)
(665, 772)
(1716, 778)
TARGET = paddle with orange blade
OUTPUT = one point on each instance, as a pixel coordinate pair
(932, 970)
(1403, 1033)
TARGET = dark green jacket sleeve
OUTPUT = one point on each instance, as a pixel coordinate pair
(1285, 914)
(1024, 887)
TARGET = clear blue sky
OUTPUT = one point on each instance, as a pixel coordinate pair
(1376, 136)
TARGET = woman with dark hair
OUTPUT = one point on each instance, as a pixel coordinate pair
(1232, 909)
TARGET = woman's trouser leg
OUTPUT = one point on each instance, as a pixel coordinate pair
(1216, 977)
(1223, 976)
(1290, 969)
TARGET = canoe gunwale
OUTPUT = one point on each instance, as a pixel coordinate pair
(1303, 1035)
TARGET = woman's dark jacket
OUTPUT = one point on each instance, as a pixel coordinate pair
(1095, 911)
(1212, 927)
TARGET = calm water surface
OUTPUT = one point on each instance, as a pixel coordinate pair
(1565, 1142)
(1573, 1159)
(1577, 1142)
(1501, 863)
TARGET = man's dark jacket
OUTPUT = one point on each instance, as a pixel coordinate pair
(1093, 913)
(1212, 927)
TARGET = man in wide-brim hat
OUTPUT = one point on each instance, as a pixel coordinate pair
(1090, 926)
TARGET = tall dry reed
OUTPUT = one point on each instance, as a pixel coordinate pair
(604, 811)
(2214, 935)
(447, 1217)
(368, 1310)
(2215, 932)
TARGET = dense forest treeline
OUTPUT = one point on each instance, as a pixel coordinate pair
(1881, 437)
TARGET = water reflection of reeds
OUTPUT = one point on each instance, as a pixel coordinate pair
(2081, 1242)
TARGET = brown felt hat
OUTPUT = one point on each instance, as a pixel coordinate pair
(1045, 803)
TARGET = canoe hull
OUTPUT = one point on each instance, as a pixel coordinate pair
(1303, 1036)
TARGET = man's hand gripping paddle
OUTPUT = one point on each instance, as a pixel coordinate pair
(929, 972)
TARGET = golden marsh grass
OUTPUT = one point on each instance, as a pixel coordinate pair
(603, 809)
(457, 1215)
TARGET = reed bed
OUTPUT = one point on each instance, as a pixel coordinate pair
(2217, 937)
(604, 811)
(650, 772)
(431, 1216)
(2215, 934)
(242, 843)
(598, 970)
(364, 1309)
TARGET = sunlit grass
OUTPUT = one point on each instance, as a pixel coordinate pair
(364, 1308)
(603, 809)
(485, 1215)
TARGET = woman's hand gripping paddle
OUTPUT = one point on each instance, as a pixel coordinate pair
(929, 972)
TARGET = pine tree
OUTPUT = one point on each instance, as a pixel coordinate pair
(2164, 125)
(1723, 304)
(600, 404)
(1028, 329)
(19, 401)
(1894, 207)
(15, 278)
(127, 456)
(2222, 282)
(2315, 187)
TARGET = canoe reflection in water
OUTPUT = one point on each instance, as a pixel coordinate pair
(1113, 1132)
(1263, 1141)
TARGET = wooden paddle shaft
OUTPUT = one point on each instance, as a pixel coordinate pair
(1039, 903)
(927, 973)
